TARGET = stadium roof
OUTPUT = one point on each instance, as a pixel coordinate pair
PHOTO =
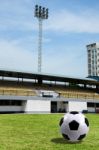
(48, 77)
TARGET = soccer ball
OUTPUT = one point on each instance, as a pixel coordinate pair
(74, 126)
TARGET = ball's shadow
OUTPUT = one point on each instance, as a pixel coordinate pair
(62, 141)
(59, 140)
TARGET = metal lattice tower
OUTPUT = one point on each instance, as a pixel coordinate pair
(41, 13)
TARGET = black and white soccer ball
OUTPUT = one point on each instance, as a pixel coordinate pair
(74, 126)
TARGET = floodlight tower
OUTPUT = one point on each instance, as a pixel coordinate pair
(41, 13)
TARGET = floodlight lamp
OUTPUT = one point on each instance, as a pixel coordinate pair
(43, 10)
(36, 10)
(40, 11)
(47, 13)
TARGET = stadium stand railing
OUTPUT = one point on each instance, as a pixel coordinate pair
(31, 90)
(17, 92)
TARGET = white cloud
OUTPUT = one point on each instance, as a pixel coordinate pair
(65, 21)
(59, 21)
(16, 15)
(71, 64)
(14, 57)
(21, 17)
(16, 54)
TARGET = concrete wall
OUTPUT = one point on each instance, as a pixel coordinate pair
(77, 106)
(37, 106)
(10, 108)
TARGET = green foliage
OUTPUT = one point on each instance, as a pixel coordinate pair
(41, 132)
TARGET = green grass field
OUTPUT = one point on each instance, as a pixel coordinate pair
(41, 132)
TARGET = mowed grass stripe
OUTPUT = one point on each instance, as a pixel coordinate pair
(41, 132)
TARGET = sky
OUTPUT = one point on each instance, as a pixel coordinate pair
(72, 24)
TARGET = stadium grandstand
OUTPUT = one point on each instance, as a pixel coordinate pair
(46, 93)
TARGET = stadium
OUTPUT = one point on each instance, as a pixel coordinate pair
(23, 92)
(28, 92)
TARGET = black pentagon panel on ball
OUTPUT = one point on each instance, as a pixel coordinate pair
(66, 136)
(81, 137)
(61, 121)
(87, 122)
(74, 112)
(73, 125)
